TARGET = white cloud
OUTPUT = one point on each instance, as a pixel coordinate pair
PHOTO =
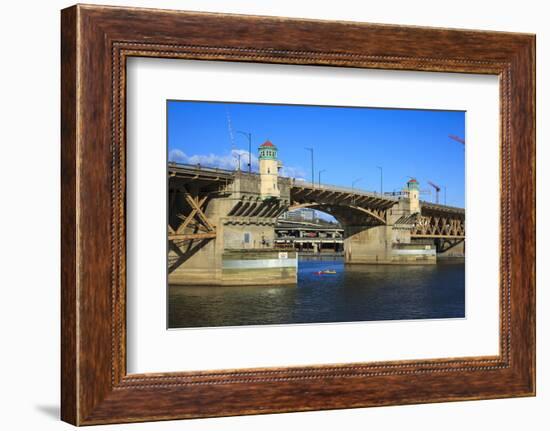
(292, 172)
(229, 161)
(177, 156)
(244, 160)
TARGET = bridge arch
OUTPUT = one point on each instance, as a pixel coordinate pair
(364, 231)
(339, 213)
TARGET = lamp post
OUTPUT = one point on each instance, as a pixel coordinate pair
(312, 170)
(381, 181)
(249, 136)
(321, 171)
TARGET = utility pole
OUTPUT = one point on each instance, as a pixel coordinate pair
(249, 136)
(312, 170)
(322, 170)
(381, 181)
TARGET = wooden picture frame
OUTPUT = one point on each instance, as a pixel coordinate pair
(96, 41)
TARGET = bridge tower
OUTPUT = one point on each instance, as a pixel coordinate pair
(269, 170)
(413, 192)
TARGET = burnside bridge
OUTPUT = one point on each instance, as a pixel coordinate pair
(222, 225)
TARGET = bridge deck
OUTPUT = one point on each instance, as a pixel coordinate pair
(199, 172)
(389, 201)
(430, 206)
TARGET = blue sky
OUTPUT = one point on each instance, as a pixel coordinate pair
(349, 143)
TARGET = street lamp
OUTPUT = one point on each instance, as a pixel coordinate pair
(312, 170)
(249, 136)
(381, 179)
(322, 170)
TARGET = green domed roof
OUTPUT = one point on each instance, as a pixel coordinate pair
(413, 184)
(268, 150)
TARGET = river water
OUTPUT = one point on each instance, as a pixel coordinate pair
(355, 293)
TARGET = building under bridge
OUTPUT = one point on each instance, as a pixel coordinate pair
(309, 236)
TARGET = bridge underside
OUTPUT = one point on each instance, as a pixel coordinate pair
(191, 230)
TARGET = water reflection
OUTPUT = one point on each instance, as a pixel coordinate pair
(354, 293)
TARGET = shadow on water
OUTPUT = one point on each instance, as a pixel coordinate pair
(354, 293)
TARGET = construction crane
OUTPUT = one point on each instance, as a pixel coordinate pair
(457, 139)
(437, 190)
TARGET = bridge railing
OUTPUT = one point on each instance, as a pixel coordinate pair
(434, 206)
(332, 187)
(198, 168)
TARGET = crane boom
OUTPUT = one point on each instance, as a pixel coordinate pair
(437, 190)
(457, 139)
(435, 186)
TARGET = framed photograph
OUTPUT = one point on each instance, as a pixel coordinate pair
(264, 215)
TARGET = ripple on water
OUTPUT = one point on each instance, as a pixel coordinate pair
(354, 293)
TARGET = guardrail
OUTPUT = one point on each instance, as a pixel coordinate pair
(332, 187)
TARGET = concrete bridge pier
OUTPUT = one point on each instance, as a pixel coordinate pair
(367, 244)
(387, 239)
(197, 261)
(448, 248)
